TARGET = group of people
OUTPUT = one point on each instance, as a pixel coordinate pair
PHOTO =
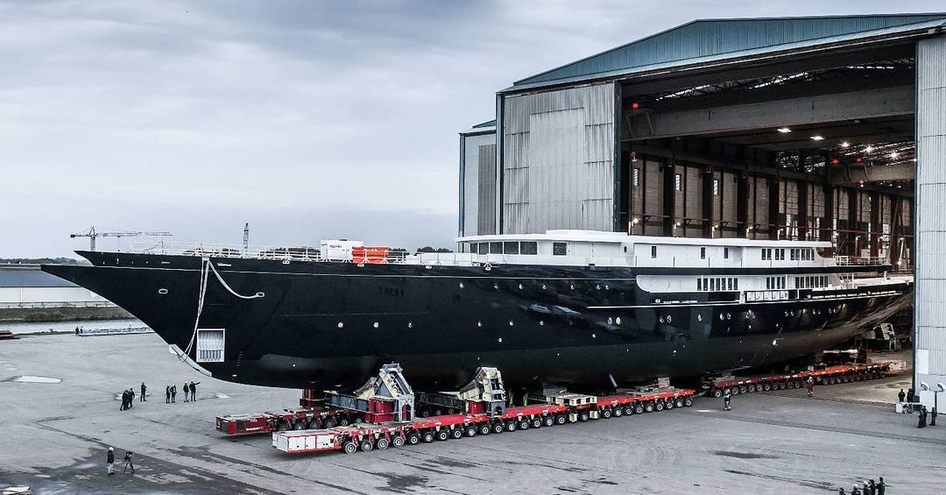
(867, 488)
(923, 412)
(128, 397)
(110, 462)
(190, 392)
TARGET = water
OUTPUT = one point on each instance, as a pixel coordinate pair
(68, 326)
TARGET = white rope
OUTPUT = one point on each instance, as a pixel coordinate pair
(205, 267)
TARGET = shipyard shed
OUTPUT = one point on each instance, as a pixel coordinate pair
(809, 128)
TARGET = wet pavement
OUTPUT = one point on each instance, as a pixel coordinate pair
(53, 437)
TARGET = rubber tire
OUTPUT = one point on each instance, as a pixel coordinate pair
(560, 419)
(397, 441)
(618, 412)
(536, 422)
(349, 447)
(315, 424)
(606, 413)
(767, 387)
(717, 393)
(427, 436)
(456, 433)
(470, 431)
(751, 388)
(629, 410)
(382, 443)
(329, 423)
(638, 409)
(511, 425)
(668, 404)
(583, 416)
(659, 406)
(343, 421)
(678, 402)
(498, 427)
(687, 402)
(366, 446)
(649, 407)
(524, 424)
(299, 424)
(485, 429)
(443, 434)
(413, 439)
(743, 389)
(282, 426)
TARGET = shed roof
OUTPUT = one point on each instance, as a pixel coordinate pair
(29, 276)
(719, 38)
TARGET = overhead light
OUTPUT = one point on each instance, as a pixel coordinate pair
(869, 149)
(635, 105)
(894, 154)
(817, 137)
(845, 144)
(784, 130)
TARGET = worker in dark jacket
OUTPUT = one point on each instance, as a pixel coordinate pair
(901, 395)
(173, 393)
(194, 390)
(933, 417)
(910, 395)
(131, 398)
(110, 461)
(872, 487)
(881, 486)
(921, 421)
(855, 490)
(143, 389)
(187, 392)
(727, 400)
(124, 400)
(167, 394)
(810, 385)
(841, 491)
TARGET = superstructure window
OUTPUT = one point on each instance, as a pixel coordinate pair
(677, 182)
(715, 187)
(637, 176)
(559, 249)
(653, 251)
(484, 248)
(725, 253)
(510, 248)
(495, 248)
(702, 253)
(528, 248)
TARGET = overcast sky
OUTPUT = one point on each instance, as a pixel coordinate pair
(310, 120)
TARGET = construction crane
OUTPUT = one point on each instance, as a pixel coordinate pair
(92, 235)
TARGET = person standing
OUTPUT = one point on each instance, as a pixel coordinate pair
(881, 486)
(131, 398)
(173, 393)
(901, 396)
(841, 491)
(933, 417)
(194, 390)
(143, 389)
(921, 420)
(187, 389)
(910, 395)
(167, 394)
(110, 461)
(872, 487)
(855, 490)
(727, 400)
(810, 385)
(124, 400)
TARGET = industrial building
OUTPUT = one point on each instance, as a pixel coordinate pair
(814, 128)
(30, 294)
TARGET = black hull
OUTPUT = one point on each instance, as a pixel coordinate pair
(330, 325)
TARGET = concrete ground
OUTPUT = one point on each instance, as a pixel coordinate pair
(53, 437)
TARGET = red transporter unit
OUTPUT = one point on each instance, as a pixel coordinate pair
(371, 255)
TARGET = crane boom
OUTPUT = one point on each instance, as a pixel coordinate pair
(92, 235)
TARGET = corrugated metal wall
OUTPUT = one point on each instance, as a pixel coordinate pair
(477, 184)
(930, 308)
(558, 160)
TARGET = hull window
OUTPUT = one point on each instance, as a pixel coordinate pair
(210, 344)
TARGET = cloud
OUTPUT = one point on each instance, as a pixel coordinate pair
(307, 118)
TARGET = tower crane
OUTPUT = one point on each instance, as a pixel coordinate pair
(92, 235)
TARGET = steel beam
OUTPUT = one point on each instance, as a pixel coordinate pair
(856, 173)
(874, 103)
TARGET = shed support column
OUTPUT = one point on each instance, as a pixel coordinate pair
(669, 197)
(853, 223)
(875, 229)
(826, 233)
(803, 225)
(742, 206)
(930, 294)
(774, 221)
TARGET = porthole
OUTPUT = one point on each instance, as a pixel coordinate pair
(722, 317)
(479, 323)
(511, 323)
(496, 286)
(728, 316)
(699, 317)
(521, 287)
(594, 336)
(541, 323)
(610, 321)
(500, 340)
(543, 286)
(461, 285)
(341, 325)
(162, 291)
(572, 286)
(669, 318)
(661, 319)
(410, 324)
(618, 320)
(376, 324)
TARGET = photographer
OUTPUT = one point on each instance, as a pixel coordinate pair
(129, 465)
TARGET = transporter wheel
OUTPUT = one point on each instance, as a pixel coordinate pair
(836, 380)
(536, 422)
(688, 401)
(282, 426)
(583, 416)
(427, 436)
(560, 419)
(443, 435)
(485, 429)
(548, 421)
(382, 443)
(668, 404)
(649, 407)
(629, 409)
(413, 439)
(606, 413)
(315, 424)
(366, 445)
(618, 411)
(458, 433)
(743, 389)
(498, 427)
(717, 393)
(524, 424)
(350, 447)
(438, 412)
(329, 423)
(511, 425)
(751, 388)
(397, 441)
(470, 431)
(298, 424)
(767, 386)
(679, 402)
(659, 406)
(780, 385)
(343, 421)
